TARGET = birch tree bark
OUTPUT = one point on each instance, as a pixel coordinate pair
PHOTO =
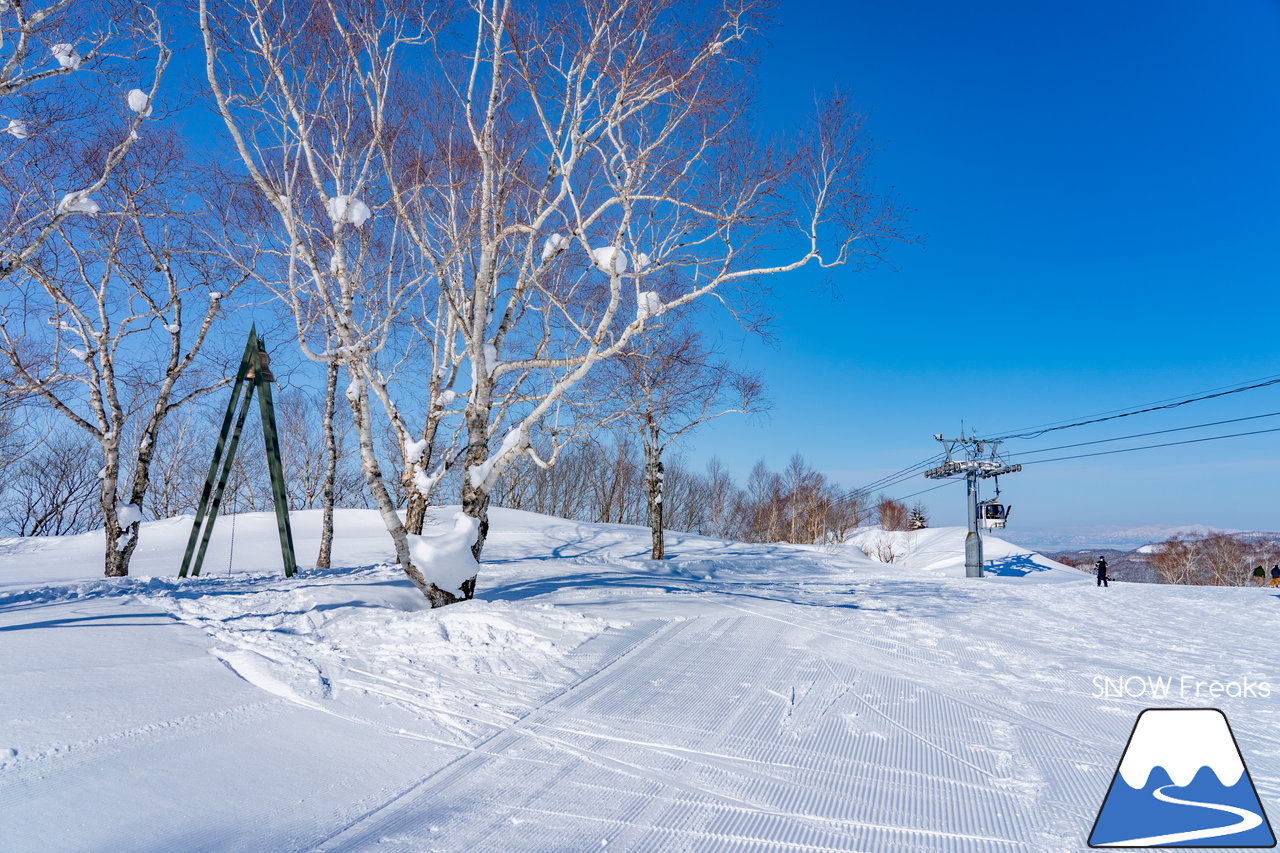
(331, 467)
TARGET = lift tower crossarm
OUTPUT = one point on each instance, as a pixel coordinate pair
(982, 460)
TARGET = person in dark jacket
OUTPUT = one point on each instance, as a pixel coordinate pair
(1101, 570)
(1260, 575)
(1275, 575)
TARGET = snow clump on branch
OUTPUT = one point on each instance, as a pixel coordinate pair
(610, 259)
(345, 208)
(76, 203)
(518, 438)
(647, 304)
(553, 245)
(128, 514)
(140, 102)
(413, 450)
(66, 55)
(17, 127)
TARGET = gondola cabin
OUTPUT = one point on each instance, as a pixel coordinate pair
(992, 516)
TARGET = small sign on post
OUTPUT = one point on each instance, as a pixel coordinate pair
(254, 374)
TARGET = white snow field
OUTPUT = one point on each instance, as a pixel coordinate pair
(734, 697)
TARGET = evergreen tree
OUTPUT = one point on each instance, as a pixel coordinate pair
(919, 520)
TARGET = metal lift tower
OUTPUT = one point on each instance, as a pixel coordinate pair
(981, 459)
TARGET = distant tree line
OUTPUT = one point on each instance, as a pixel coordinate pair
(604, 481)
(1216, 559)
(52, 489)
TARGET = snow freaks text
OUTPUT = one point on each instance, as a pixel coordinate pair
(1178, 687)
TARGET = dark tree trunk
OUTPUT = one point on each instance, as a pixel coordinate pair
(415, 514)
(475, 497)
(330, 470)
(653, 477)
(116, 559)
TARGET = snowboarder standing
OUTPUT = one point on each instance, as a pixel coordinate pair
(1260, 576)
(1101, 570)
(1275, 575)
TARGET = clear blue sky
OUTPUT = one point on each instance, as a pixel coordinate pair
(1096, 191)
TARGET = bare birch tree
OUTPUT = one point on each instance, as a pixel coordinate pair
(107, 322)
(312, 97)
(1177, 560)
(547, 167)
(665, 385)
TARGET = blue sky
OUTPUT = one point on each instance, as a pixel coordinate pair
(1094, 190)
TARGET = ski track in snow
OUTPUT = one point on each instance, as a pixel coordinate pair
(735, 697)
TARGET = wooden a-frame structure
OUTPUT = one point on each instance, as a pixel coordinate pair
(254, 375)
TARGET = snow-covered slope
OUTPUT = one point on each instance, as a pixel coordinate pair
(940, 550)
(735, 697)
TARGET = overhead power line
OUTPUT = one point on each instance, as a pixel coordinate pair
(1036, 433)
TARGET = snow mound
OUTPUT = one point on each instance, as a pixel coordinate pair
(736, 694)
(445, 558)
(940, 550)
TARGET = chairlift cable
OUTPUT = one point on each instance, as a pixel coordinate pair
(1156, 402)
(1144, 434)
(904, 474)
(930, 489)
(892, 479)
(1105, 416)
(1150, 446)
